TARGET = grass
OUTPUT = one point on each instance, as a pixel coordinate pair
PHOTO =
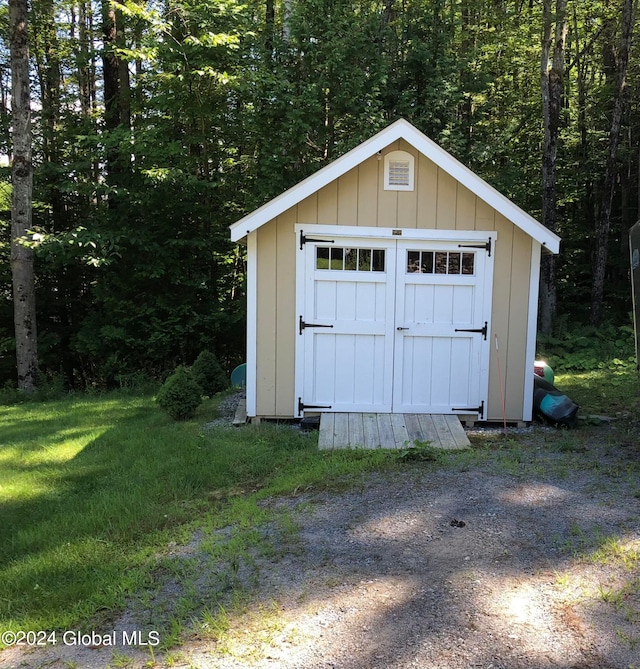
(94, 489)
(610, 391)
(101, 496)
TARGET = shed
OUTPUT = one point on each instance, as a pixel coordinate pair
(389, 282)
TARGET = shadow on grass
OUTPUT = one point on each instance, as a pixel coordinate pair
(85, 541)
(91, 489)
(76, 506)
(379, 576)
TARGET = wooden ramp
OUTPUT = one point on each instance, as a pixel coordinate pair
(240, 417)
(390, 430)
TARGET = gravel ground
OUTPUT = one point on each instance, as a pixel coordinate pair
(499, 565)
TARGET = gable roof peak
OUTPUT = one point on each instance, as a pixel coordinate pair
(400, 129)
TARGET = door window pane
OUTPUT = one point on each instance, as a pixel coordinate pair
(340, 258)
(337, 259)
(350, 259)
(413, 262)
(468, 263)
(364, 260)
(378, 260)
(440, 262)
(322, 257)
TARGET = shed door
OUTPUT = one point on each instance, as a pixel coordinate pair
(394, 326)
(347, 325)
(441, 328)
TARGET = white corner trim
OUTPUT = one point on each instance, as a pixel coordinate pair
(252, 322)
(532, 331)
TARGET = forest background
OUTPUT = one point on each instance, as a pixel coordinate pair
(157, 124)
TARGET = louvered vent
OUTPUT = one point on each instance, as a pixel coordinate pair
(399, 172)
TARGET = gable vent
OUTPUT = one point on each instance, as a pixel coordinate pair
(398, 171)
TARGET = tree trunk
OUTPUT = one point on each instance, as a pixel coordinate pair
(24, 297)
(552, 84)
(85, 59)
(117, 98)
(604, 219)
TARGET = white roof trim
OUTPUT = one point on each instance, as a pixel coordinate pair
(399, 130)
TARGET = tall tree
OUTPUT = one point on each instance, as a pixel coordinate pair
(552, 84)
(117, 94)
(21, 205)
(621, 57)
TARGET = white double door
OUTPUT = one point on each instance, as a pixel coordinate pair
(396, 326)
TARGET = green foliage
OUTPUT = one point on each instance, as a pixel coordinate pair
(180, 395)
(586, 348)
(227, 106)
(209, 374)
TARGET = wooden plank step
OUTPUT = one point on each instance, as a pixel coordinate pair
(400, 433)
(457, 431)
(325, 438)
(369, 430)
(240, 417)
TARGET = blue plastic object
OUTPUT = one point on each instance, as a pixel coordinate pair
(552, 405)
(239, 375)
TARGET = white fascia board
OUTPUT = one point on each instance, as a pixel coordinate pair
(399, 130)
(482, 189)
(316, 181)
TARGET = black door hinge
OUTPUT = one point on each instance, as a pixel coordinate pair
(302, 325)
(486, 246)
(304, 239)
(479, 410)
(482, 331)
(302, 406)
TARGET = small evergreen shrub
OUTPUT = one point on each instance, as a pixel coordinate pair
(208, 372)
(180, 395)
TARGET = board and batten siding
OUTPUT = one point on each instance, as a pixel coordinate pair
(358, 198)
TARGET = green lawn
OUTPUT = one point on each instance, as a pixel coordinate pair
(93, 489)
(612, 392)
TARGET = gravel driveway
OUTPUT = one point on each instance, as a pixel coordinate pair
(522, 560)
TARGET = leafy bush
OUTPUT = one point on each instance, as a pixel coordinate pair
(180, 395)
(587, 348)
(209, 374)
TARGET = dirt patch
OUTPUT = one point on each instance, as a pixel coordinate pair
(529, 560)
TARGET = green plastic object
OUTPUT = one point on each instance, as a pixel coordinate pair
(542, 369)
(239, 375)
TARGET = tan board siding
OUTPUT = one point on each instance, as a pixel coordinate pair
(266, 321)
(285, 325)
(357, 198)
(276, 317)
(518, 315)
(509, 319)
